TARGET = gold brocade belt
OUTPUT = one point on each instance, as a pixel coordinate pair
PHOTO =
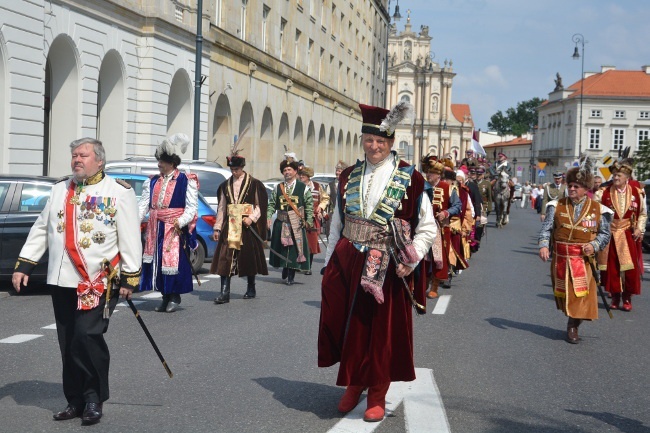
(236, 213)
(618, 228)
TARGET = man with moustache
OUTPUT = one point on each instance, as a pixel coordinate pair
(294, 204)
(90, 217)
(576, 227)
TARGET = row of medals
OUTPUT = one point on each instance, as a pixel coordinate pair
(101, 209)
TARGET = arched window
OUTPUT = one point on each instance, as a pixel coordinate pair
(405, 98)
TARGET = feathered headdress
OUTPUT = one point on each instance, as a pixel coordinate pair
(624, 164)
(168, 149)
(399, 113)
(289, 156)
(430, 164)
(234, 160)
(382, 122)
(583, 174)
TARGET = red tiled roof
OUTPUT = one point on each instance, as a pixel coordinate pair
(459, 111)
(614, 83)
(516, 142)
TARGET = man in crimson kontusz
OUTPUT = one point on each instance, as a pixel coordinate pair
(366, 320)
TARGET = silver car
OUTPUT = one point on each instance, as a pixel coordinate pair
(210, 174)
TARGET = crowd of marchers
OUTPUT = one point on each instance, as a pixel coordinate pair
(395, 234)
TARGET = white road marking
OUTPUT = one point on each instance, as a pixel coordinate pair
(152, 295)
(441, 304)
(20, 338)
(212, 276)
(202, 281)
(423, 408)
(52, 326)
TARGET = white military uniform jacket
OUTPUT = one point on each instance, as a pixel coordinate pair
(105, 223)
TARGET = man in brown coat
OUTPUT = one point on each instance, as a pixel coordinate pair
(242, 208)
(579, 227)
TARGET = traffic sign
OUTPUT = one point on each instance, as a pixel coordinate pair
(541, 165)
(541, 173)
(605, 172)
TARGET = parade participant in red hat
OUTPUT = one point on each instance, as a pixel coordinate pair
(366, 322)
(242, 208)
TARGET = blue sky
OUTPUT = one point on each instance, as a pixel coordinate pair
(506, 51)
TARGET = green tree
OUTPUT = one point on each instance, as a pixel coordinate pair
(517, 120)
(642, 157)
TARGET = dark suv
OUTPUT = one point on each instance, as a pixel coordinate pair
(22, 198)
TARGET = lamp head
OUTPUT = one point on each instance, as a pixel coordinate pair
(576, 54)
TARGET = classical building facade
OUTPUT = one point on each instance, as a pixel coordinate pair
(615, 114)
(288, 72)
(440, 127)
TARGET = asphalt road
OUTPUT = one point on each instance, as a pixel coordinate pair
(497, 354)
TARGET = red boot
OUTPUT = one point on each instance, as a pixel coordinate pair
(350, 398)
(627, 302)
(376, 403)
(616, 300)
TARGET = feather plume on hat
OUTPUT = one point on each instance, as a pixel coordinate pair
(169, 145)
(235, 160)
(624, 164)
(399, 113)
(583, 174)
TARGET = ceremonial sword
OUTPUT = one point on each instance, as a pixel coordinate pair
(257, 236)
(419, 308)
(106, 264)
(600, 288)
(187, 255)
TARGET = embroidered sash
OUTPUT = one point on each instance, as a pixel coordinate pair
(171, 239)
(88, 291)
(570, 264)
(236, 213)
(296, 219)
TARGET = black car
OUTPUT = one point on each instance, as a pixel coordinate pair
(22, 198)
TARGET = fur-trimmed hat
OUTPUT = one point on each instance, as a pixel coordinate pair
(307, 171)
(583, 174)
(430, 164)
(382, 122)
(625, 166)
(286, 163)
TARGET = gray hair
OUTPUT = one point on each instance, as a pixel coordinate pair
(98, 147)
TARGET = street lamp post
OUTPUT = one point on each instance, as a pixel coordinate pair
(578, 38)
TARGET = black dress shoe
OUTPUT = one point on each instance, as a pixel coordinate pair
(69, 412)
(92, 414)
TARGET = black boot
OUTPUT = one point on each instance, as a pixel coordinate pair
(572, 330)
(163, 305)
(291, 273)
(311, 264)
(224, 298)
(174, 302)
(284, 273)
(250, 288)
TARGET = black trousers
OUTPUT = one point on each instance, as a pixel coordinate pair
(84, 352)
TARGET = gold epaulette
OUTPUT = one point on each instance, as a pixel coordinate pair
(123, 183)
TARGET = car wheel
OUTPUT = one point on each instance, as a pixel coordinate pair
(197, 257)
